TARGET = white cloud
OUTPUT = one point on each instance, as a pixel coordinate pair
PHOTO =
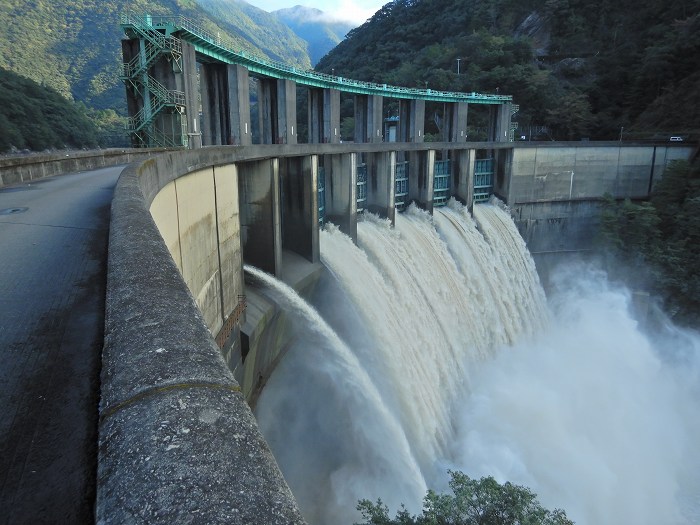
(356, 11)
(352, 10)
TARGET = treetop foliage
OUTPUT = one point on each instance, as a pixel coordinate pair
(660, 239)
(472, 502)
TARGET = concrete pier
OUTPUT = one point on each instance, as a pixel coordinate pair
(341, 192)
(324, 116)
(261, 229)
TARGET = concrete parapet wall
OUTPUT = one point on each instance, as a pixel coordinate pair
(19, 169)
(555, 190)
(177, 441)
(586, 170)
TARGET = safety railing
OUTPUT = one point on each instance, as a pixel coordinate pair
(136, 66)
(181, 23)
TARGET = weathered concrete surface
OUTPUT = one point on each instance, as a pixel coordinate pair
(189, 454)
(177, 441)
(52, 283)
(555, 191)
(26, 168)
(567, 171)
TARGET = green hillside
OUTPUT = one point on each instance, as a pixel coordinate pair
(36, 117)
(580, 68)
(74, 46)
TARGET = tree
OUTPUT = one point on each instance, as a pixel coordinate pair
(472, 502)
(654, 244)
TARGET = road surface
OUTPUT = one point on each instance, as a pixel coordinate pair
(53, 254)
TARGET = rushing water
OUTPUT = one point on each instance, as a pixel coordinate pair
(437, 349)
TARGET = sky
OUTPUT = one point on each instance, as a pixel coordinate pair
(357, 11)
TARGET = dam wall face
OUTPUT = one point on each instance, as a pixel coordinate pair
(198, 217)
(555, 191)
(176, 436)
(189, 343)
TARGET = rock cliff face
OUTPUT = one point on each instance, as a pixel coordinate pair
(535, 28)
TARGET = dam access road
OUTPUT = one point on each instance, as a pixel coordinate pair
(53, 255)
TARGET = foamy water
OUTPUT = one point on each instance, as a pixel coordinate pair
(455, 359)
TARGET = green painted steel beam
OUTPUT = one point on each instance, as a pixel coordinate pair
(220, 50)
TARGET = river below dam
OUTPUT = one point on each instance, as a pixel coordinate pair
(431, 346)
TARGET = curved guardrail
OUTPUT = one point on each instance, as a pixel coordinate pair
(223, 49)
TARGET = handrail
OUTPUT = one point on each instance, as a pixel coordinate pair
(163, 96)
(174, 23)
(169, 44)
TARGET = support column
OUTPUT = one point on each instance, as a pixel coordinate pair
(503, 168)
(286, 125)
(277, 108)
(463, 176)
(299, 180)
(422, 175)
(267, 110)
(459, 122)
(368, 118)
(261, 235)
(447, 124)
(331, 116)
(238, 97)
(500, 122)
(315, 115)
(324, 116)
(411, 120)
(190, 86)
(381, 169)
(212, 80)
(341, 192)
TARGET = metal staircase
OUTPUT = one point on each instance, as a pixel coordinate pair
(513, 125)
(156, 99)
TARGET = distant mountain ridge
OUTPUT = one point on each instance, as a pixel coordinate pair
(315, 27)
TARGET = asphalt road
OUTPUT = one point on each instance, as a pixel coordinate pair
(53, 255)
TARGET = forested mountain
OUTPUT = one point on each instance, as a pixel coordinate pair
(36, 117)
(583, 68)
(313, 26)
(74, 46)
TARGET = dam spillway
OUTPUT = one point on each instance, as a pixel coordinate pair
(415, 334)
(459, 363)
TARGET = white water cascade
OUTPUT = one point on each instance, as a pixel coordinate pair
(437, 350)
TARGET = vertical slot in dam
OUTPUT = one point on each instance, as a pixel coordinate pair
(431, 346)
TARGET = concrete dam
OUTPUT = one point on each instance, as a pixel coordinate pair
(381, 315)
(190, 336)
